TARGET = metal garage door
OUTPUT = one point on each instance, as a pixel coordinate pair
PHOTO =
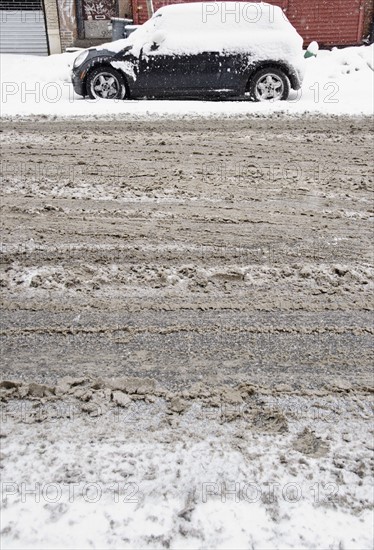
(22, 27)
(337, 22)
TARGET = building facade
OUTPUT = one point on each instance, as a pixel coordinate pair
(43, 27)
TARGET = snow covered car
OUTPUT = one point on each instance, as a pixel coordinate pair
(198, 50)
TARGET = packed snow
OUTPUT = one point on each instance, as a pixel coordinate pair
(336, 82)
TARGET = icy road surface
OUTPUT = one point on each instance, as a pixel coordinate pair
(187, 333)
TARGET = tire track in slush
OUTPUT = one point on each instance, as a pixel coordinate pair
(233, 217)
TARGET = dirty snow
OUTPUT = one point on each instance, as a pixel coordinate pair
(248, 470)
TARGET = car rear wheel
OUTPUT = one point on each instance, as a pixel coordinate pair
(269, 84)
(106, 83)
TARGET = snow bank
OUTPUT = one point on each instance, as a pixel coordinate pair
(336, 82)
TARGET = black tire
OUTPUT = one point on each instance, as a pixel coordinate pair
(105, 83)
(269, 84)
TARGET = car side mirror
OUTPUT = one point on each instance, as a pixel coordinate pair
(312, 50)
(126, 50)
(157, 39)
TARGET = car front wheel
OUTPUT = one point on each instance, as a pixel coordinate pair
(106, 83)
(269, 84)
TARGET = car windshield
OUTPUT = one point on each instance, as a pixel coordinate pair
(144, 33)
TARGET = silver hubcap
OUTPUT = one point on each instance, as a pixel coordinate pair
(105, 86)
(269, 87)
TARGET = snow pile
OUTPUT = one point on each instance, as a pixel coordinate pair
(351, 60)
(336, 82)
(31, 69)
(343, 77)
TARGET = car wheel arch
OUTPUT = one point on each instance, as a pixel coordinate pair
(105, 64)
(288, 71)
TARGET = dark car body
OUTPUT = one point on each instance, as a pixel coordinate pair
(168, 77)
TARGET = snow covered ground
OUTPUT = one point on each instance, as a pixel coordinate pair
(336, 82)
(258, 471)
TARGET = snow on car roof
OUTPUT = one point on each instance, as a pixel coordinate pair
(216, 26)
(225, 14)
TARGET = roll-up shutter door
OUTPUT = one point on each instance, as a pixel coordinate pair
(22, 27)
(337, 22)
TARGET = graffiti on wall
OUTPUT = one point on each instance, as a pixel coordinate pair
(99, 9)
